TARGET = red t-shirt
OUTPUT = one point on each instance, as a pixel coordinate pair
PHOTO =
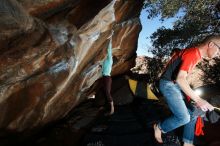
(184, 60)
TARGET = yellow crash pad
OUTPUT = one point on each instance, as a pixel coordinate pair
(149, 94)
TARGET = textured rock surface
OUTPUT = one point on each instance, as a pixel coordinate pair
(52, 51)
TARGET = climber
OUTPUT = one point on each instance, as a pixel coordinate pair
(107, 80)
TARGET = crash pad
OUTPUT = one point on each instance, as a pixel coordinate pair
(142, 89)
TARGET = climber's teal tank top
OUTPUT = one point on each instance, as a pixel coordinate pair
(107, 64)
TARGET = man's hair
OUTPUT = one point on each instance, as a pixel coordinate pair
(210, 38)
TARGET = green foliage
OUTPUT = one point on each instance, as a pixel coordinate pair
(169, 8)
(155, 66)
(211, 71)
(195, 20)
(198, 19)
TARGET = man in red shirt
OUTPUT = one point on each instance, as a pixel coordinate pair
(173, 83)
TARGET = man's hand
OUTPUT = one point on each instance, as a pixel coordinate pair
(204, 105)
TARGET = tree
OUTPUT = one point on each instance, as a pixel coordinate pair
(211, 70)
(197, 19)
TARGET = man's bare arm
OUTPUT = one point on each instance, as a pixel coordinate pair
(182, 82)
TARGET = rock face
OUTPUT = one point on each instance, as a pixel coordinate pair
(52, 52)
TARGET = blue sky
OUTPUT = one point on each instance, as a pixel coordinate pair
(148, 27)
